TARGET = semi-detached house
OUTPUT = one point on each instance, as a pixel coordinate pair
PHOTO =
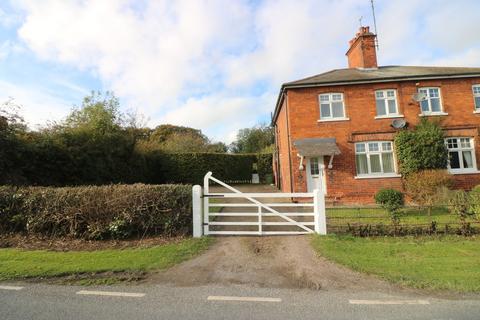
(335, 130)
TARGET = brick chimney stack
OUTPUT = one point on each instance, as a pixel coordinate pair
(362, 52)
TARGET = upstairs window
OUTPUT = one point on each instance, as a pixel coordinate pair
(386, 101)
(461, 154)
(476, 96)
(332, 106)
(432, 103)
(374, 158)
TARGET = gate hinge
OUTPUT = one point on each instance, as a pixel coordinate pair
(212, 195)
(205, 224)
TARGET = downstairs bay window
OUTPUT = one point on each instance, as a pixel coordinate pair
(461, 155)
(375, 159)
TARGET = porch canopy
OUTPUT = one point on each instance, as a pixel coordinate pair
(313, 147)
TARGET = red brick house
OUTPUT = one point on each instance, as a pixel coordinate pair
(335, 130)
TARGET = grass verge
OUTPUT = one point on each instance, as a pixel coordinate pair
(449, 262)
(21, 264)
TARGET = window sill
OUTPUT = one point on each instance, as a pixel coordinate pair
(333, 120)
(471, 171)
(476, 111)
(377, 176)
(390, 117)
(433, 114)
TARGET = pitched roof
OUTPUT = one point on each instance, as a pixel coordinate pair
(381, 74)
(353, 76)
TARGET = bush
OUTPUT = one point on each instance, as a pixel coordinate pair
(474, 199)
(264, 167)
(92, 212)
(421, 149)
(460, 206)
(392, 201)
(424, 187)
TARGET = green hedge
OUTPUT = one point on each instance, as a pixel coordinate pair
(97, 212)
(192, 167)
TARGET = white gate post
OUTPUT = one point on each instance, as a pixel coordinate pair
(197, 211)
(206, 202)
(319, 212)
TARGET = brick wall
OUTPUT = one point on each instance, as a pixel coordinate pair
(283, 147)
(303, 113)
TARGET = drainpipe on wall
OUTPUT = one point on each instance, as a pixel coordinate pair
(289, 143)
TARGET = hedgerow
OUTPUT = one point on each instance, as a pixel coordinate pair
(97, 212)
(192, 167)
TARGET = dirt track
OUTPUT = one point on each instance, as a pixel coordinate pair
(286, 262)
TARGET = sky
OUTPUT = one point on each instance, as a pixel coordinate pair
(212, 65)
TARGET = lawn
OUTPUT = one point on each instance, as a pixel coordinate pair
(450, 262)
(16, 264)
(341, 216)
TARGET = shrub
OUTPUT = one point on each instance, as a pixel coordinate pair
(264, 167)
(460, 205)
(474, 199)
(421, 149)
(97, 212)
(391, 200)
(424, 187)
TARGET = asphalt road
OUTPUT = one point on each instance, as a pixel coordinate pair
(39, 301)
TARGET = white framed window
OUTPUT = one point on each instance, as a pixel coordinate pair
(386, 103)
(476, 96)
(461, 155)
(375, 158)
(332, 107)
(432, 104)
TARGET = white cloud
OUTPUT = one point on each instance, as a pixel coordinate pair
(38, 107)
(149, 57)
(213, 64)
(221, 116)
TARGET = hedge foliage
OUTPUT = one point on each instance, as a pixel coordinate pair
(265, 166)
(97, 212)
(422, 148)
(192, 167)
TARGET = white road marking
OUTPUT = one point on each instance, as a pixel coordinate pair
(388, 302)
(112, 294)
(10, 288)
(247, 299)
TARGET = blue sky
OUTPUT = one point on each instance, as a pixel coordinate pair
(209, 64)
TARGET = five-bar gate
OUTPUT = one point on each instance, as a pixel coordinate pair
(239, 213)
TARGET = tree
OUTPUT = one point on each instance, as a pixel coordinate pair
(422, 148)
(98, 114)
(11, 124)
(177, 139)
(425, 187)
(253, 140)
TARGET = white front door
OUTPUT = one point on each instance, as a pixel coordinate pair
(316, 174)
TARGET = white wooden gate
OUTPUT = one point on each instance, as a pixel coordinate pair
(239, 213)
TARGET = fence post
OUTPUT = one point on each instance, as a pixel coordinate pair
(197, 211)
(319, 212)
